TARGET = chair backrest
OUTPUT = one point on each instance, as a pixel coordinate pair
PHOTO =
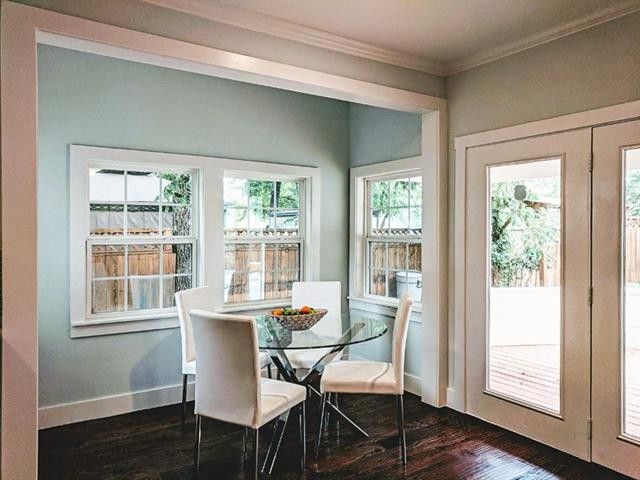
(228, 379)
(321, 295)
(201, 298)
(400, 327)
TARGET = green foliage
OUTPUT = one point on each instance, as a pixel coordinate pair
(178, 190)
(633, 193)
(523, 232)
(387, 194)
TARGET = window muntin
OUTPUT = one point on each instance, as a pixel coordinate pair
(263, 232)
(394, 235)
(142, 242)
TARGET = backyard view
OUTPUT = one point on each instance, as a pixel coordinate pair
(525, 295)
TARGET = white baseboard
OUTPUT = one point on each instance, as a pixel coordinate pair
(453, 401)
(413, 384)
(111, 405)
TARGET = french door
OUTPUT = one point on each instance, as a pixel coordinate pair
(553, 290)
(616, 297)
(527, 287)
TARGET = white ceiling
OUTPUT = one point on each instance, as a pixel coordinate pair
(436, 36)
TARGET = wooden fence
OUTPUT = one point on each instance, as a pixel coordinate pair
(399, 255)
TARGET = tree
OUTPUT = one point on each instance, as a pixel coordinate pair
(178, 191)
(524, 230)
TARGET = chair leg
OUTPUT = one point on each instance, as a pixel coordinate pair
(196, 450)
(323, 402)
(184, 399)
(245, 432)
(303, 433)
(328, 413)
(256, 452)
(269, 374)
(403, 439)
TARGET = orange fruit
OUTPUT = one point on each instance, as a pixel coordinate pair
(305, 310)
(278, 311)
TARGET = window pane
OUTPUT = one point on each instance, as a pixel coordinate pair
(524, 298)
(107, 296)
(144, 293)
(377, 256)
(106, 185)
(143, 219)
(259, 220)
(235, 221)
(379, 222)
(259, 272)
(171, 285)
(261, 194)
(415, 257)
(287, 222)
(399, 221)
(177, 258)
(416, 191)
(377, 282)
(176, 221)
(235, 192)
(379, 194)
(287, 195)
(399, 193)
(107, 261)
(106, 219)
(143, 187)
(631, 295)
(143, 259)
(176, 188)
(415, 220)
(397, 255)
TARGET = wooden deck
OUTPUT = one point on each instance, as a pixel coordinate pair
(531, 373)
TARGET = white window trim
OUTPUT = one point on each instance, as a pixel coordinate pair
(210, 252)
(358, 297)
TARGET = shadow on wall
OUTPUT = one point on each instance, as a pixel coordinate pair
(146, 371)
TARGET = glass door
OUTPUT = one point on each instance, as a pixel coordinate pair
(527, 287)
(616, 297)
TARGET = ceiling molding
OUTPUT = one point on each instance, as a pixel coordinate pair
(546, 36)
(269, 25)
(266, 24)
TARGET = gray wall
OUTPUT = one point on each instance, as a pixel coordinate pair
(379, 135)
(92, 100)
(137, 15)
(591, 69)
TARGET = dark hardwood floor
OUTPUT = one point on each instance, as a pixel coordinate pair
(442, 444)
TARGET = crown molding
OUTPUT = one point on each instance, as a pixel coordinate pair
(269, 25)
(569, 28)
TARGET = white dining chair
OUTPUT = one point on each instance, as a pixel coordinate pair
(186, 300)
(229, 386)
(318, 295)
(371, 377)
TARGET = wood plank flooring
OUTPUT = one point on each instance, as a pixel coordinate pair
(442, 445)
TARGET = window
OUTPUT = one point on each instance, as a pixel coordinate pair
(394, 235)
(142, 241)
(263, 238)
(145, 225)
(386, 235)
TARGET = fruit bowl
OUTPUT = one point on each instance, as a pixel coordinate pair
(298, 321)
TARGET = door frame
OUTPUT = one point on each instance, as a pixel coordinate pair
(23, 28)
(457, 390)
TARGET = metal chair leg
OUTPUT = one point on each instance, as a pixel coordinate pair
(255, 453)
(403, 439)
(196, 452)
(328, 413)
(269, 371)
(323, 402)
(184, 399)
(303, 433)
(245, 432)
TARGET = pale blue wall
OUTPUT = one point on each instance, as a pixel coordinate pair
(92, 100)
(378, 135)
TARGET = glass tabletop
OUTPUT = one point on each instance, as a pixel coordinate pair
(274, 336)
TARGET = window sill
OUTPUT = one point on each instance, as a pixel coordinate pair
(383, 307)
(93, 328)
